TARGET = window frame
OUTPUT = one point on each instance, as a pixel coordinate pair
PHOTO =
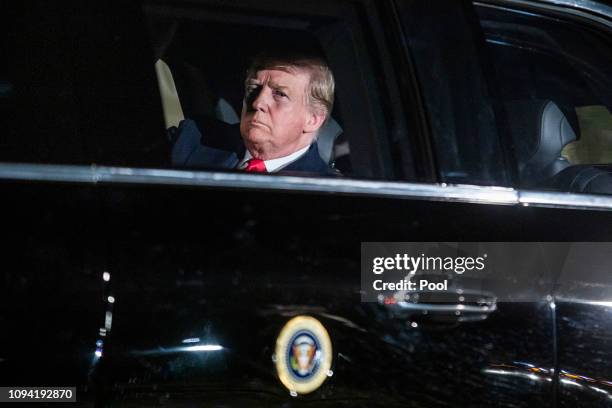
(109, 175)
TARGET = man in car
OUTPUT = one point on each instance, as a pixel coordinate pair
(287, 100)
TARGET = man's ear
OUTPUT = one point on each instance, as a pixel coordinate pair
(314, 121)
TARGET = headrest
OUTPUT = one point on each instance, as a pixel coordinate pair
(226, 113)
(326, 137)
(540, 131)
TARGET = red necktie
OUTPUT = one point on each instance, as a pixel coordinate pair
(255, 166)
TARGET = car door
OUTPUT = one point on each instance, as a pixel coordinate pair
(261, 280)
(187, 278)
(551, 40)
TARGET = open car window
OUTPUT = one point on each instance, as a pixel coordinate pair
(75, 92)
(202, 53)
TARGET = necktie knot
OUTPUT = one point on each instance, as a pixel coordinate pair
(255, 166)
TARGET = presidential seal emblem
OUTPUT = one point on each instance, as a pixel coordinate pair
(303, 355)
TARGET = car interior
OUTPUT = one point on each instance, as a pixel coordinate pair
(202, 56)
(200, 100)
(546, 81)
(545, 75)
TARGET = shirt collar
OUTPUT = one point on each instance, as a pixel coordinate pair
(274, 165)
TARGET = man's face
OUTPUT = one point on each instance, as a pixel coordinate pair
(275, 120)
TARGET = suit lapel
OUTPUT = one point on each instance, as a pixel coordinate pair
(310, 162)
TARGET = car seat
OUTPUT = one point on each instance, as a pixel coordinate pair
(583, 178)
(539, 131)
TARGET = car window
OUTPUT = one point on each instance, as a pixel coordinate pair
(77, 85)
(202, 53)
(554, 81)
(446, 46)
(101, 83)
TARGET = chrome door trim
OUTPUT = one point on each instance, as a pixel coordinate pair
(586, 9)
(564, 200)
(107, 175)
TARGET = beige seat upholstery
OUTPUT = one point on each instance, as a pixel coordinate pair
(173, 112)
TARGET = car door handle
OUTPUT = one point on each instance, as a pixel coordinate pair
(464, 306)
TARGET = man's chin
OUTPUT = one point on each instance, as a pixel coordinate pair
(258, 147)
(255, 136)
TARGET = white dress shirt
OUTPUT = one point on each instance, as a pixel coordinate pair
(274, 165)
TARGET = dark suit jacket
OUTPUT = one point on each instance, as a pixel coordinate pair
(220, 146)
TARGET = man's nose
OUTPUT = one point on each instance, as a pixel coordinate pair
(260, 100)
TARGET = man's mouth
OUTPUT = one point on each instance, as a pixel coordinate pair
(257, 123)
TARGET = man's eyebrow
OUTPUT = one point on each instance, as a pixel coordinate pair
(278, 86)
(273, 85)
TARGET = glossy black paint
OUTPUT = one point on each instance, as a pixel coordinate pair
(231, 267)
(584, 353)
(225, 267)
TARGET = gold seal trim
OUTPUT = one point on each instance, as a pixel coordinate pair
(314, 327)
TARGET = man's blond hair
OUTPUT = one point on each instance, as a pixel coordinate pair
(320, 91)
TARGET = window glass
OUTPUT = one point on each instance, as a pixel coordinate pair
(77, 85)
(37, 105)
(555, 83)
(595, 144)
(446, 46)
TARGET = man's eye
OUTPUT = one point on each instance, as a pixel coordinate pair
(280, 93)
